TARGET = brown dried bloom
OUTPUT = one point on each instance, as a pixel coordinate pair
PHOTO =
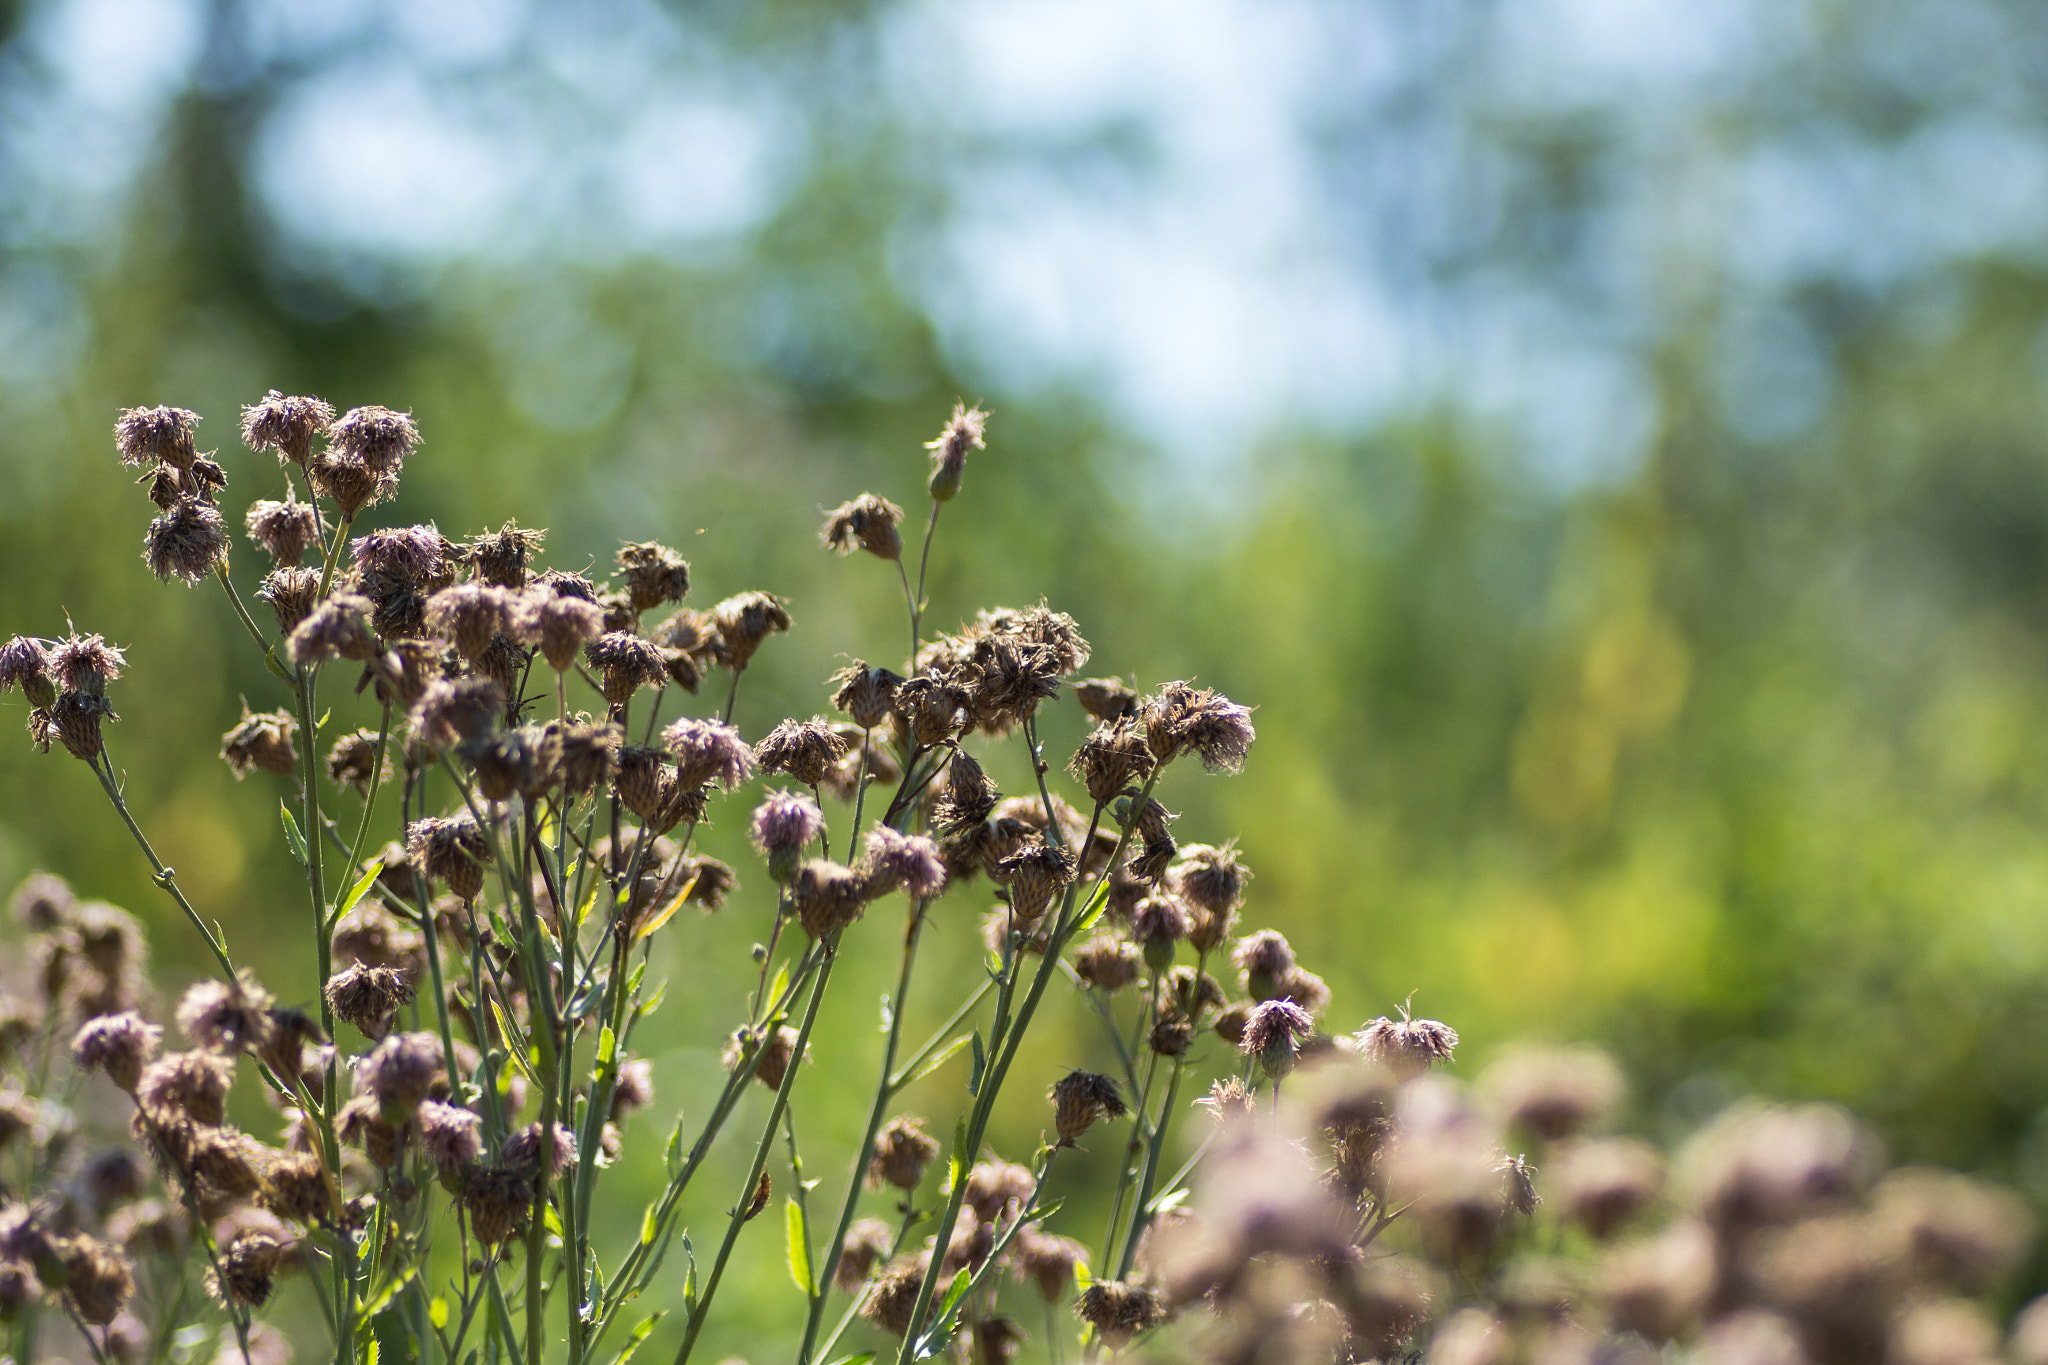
(531, 1148)
(744, 620)
(625, 663)
(1274, 1033)
(1603, 1183)
(775, 1055)
(1033, 876)
(368, 997)
(497, 1201)
(186, 1085)
(24, 662)
(865, 694)
(1108, 700)
(891, 861)
(1553, 1092)
(283, 529)
(285, 425)
(500, 557)
(356, 760)
(378, 437)
(456, 713)
(86, 663)
(470, 616)
(294, 1186)
(867, 1241)
(291, 594)
(893, 1297)
(1079, 1098)
(1108, 962)
(400, 1072)
(1119, 1311)
(654, 574)
(806, 750)
(450, 1136)
(227, 1018)
(1659, 1287)
(452, 852)
(1210, 878)
(118, 1044)
(189, 540)
(964, 432)
(1114, 756)
(246, 1270)
(1950, 1230)
(931, 709)
(349, 483)
(1759, 1165)
(559, 626)
(586, 754)
(1406, 1048)
(902, 1151)
(339, 626)
(97, 1278)
(163, 434)
(708, 751)
(867, 523)
(1047, 1261)
(1182, 718)
(829, 897)
(261, 740)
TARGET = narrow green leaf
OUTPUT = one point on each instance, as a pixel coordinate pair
(673, 1157)
(607, 1046)
(1088, 920)
(633, 1342)
(437, 1312)
(551, 1220)
(270, 660)
(956, 1168)
(647, 1227)
(518, 1055)
(780, 986)
(799, 1247)
(1082, 1276)
(938, 1059)
(955, 1292)
(359, 890)
(980, 1065)
(864, 1358)
(291, 834)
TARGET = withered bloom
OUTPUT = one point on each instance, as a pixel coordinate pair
(97, 1278)
(1108, 700)
(186, 1085)
(500, 557)
(707, 881)
(1159, 923)
(188, 541)
(1047, 1261)
(893, 1296)
(964, 432)
(227, 1018)
(777, 1053)
(829, 897)
(450, 1136)
(931, 709)
(1119, 1311)
(708, 751)
(1600, 1185)
(355, 760)
(1182, 718)
(805, 749)
(452, 852)
(339, 626)
(25, 663)
(633, 1089)
(470, 616)
(625, 663)
(368, 997)
(1552, 1092)
(902, 1152)
(349, 483)
(1274, 1035)
(283, 529)
(454, 713)
(246, 1270)
(865, 694)
(530, 1149)
(654, 574)
(294, 1185)
(866, 1243)
(1079, 1098)
(1113, 757)
(291, 594)
(87, 663)
(892, 861)
(1408, 1047)
(1033, 876)
(118, 1044)
(400, 1072)
(261, 740)
(379, 437)
(1211, 879)
(587, 754)
(1108, 962)
(75, 718)
(784, 825)
(745, 620)
(162, 434)
(637, 781)
(559, 626)
(867, 523)
(285, 425)
(1263, 960)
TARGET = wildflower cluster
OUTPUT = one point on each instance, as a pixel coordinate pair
(496, 826)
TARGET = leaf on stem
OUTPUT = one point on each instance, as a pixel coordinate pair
(359, 890)
(799, 1247)
(980, 1065)
(292, 836)
(633, 1342)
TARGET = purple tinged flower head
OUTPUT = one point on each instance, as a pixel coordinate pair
(450, 1135)
(709, 751)
(1274, 1034)
(910, 862)
(784, 825)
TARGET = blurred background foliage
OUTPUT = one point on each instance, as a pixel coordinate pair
(1603, 437)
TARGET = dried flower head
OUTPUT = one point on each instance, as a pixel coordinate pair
(339, 626)
(892, 861)
(633, 1089)
(500, 557)
(1210, 878)
(245, 1270)
(776, 1053)
(1113, 757)
(451, 1137)
(368, 997)
(866, 1243)
(291, 594)
(294, 1186)
(1408, 1047)
(865, 694)
(785, 824)
(1108, 962)
(162, 435)
(451, 852)
(25, 663)
(1047, 1261)
(892, 1298)
(1033, 876)
(1108, 700)
(745, 620)
(356, 760)
(1274, 1033)
(1119, 1311)
(226, 1017)
(558, 625)
(1552, 1092)
(867, 523)
(1229, 1102)
(1952, 1231)
(400, 1072)
(97, 1278)
(654, 574)
(533, 1147)
(964, 432)
(625, 663)
(189, 540)
(379, 437)
(708, 751)
(1081, 1097)
(829, 897)
(1602, 1184)
(902, 1152)
(1760, 1165)
(261, 740)
(931, 709)
(186, 1086)
(283, 529)
(285, 425)
(456, 713)
(1182, 718)
(470, 616)
(806, 750)
(118, 1044)
(86, 663)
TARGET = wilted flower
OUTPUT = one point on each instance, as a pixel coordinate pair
(283, 529)
(892, 861)
(708, 751)
(261, 740)
(867, 523)
(1408, 1047)
(1274, 1034)
(964, 432)
(806, 750)
(654, 574)
(902, 1151)
(189, 540)
(1079, 1098)
(1181, 718)
(785, 824)
(285, 425)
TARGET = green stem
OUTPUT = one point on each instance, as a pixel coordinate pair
(739, 1212)
(220, 571)
(924, 559)
(165, 877)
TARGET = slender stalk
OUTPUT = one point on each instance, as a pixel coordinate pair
(220, 571)
(739, 1212)
(924, 559)
(355, 855)
(1140, 1212)
(165, 876)
(877, 1111)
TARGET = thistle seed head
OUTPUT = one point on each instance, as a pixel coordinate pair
(867, 523)
(785, 824)
(777, 1052)
(865, 694)
(227, 1018)
(829, 897)
(356, 760)
(654, 574)
(964, 432)
(1119, 1311)
(499, 558)
(867, 1241)
(625, 663)
(118, 1044)
(745, 620)
(285, 425)
(457, 713)
(368, 997)
(531, 1148)
(188, 540)
(337, 627)
(1274, 1034)
(1182, 718)
(806, 750)
(559, 626)
(291, 593)
(162, 435)
(708, 751)
(1033, 876)
(892, 861)
(1081, 1097)
(902, 1152)
(470, 616)
(1407, 1047)
(283, 530)
(378, 437)
(185, 1086)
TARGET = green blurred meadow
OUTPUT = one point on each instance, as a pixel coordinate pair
(1608, 446)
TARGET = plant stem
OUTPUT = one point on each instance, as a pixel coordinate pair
(220, 571)
(165, 877)
(924, 559)
(739, 1213)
